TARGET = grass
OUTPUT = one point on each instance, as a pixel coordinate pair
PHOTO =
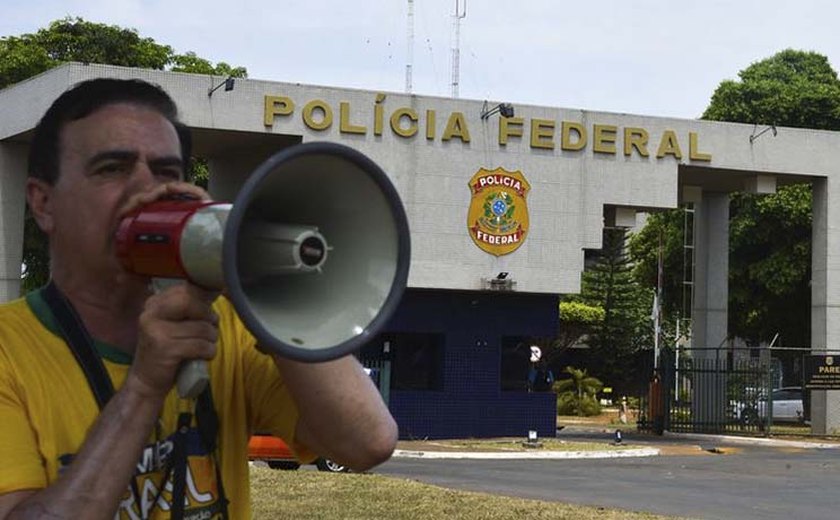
(298, 495)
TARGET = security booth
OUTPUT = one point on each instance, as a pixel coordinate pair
(463, 372)
(501, 206)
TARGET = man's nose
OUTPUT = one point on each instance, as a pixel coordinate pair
(143, 177)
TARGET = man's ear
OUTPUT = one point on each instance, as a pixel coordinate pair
(39, 198)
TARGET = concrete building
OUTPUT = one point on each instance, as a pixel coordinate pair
(550, 179)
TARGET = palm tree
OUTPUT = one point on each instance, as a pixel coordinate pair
(578, 393)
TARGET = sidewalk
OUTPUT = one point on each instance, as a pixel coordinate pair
(601, 430)
(525, 454)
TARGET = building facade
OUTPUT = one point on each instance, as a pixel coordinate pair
(523, 194)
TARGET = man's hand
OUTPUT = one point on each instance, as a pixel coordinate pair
(176, 325)
(162, 191)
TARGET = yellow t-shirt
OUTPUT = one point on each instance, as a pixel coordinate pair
(47, 407)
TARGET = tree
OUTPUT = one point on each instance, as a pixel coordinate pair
(770, 266)
(74, 39)
(577, 394)
(577, 320)
(770, 235)
(792, 88)
(617, 341)
(643, 248)
(189, 62)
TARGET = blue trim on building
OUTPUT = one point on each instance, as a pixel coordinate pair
(470, 402)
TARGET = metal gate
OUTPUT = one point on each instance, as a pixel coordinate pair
(708, 391)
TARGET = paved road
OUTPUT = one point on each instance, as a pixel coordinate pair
(751, 483)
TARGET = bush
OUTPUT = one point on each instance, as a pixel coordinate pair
(576, 395)
(569, 404)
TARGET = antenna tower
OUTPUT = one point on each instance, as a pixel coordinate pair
(456, 45)
(410, 50)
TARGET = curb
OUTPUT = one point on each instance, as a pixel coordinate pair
(525, 455)
(753, 441)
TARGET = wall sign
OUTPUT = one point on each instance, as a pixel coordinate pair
(822, 372)
(498, 216)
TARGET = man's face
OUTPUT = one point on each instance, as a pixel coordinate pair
(105, 158)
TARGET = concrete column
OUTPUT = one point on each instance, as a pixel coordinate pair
(710, 307)
(711, 271)
(825, 297)
(12, 203)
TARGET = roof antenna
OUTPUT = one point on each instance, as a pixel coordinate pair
(456, 45)
(410, 50)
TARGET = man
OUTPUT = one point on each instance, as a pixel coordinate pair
(103, 149)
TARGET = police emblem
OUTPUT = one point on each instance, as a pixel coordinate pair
(498, 216)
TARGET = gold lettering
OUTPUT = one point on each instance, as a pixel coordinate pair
(345, 126)
(669, 145)
(324, 108)
(604, 136)
(378, 116)
(635, 138)
(276, 106)
(693, 153)
(542, 133)
(509, 127)
(566, 129)
(456, 126)
(430, 124)
(396, 119)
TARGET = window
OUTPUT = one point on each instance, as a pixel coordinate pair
(515, 362)
(416, 359)
(787, 394)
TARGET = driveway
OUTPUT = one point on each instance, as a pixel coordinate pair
(744, 482)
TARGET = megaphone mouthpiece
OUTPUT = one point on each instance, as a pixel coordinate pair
(271, 249)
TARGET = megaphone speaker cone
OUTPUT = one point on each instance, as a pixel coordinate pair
(316, 251)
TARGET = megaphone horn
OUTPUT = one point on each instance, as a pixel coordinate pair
(313, 253)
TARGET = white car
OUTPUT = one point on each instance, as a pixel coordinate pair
(787, 407)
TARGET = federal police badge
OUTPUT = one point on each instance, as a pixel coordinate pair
(498, 216)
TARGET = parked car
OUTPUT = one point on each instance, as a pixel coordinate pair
(787, 407)
(277, 454)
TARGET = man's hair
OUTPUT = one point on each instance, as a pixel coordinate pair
(84, 99)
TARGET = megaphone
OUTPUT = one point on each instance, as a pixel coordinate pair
(313, 253)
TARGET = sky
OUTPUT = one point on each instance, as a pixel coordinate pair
(656, 58)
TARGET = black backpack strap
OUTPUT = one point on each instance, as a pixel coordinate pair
(80, 343)
(208, 429)
(207, 419)
(179, 463)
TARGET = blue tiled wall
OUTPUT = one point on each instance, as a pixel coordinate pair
(471, 403)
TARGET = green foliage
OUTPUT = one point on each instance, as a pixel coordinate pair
(577, 312)
(569, 404)
(577, 319)
(577, 394)
(199, 173)
(616, 341)
(643, 249)
(189, 62)
(770, 266)
(74, 39)
(770, 235)
(792, 88)
(35, 255)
